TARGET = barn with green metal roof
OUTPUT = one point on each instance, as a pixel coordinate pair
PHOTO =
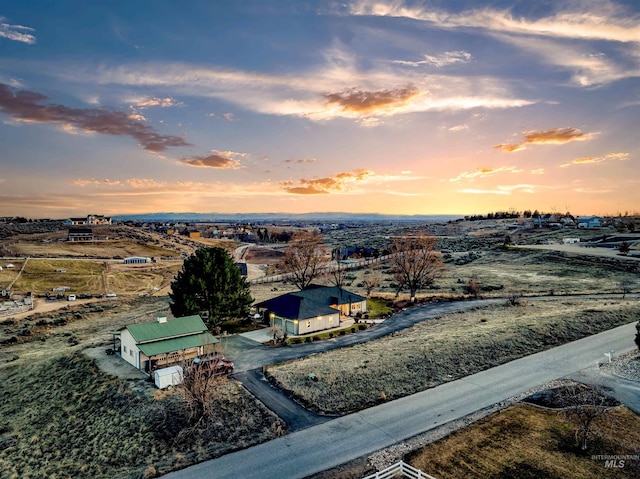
(164, 342)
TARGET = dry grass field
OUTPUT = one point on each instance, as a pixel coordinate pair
(93, 276)
(119, 248)
(525, 442)
(443, 349)
(62, 416)
(501, 272)
(65, 418)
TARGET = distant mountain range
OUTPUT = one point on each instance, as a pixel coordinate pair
(329, 217)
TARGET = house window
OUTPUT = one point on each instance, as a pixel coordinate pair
(308, 323)
(124, 349)
(330, 319)
(131, 352)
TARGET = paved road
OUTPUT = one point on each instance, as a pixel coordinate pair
(335, 442)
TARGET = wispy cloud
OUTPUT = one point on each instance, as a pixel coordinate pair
(300, 161)
(589, 68)
(557, 136)
(603, 21)
(457, 128)
(504, 190)
(336, 88)
(593, 160)
(331, 184)
(28, 106)
(438, 61)
(150, 102)
(483, 172)
(18, 33)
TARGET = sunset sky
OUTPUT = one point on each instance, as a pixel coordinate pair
(394, 107)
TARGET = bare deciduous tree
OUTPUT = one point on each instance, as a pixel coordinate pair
(372, 281)
(472, 288)
(416, 263)
(197, 389)
(586, 407)
(304, 259)
(625, 286)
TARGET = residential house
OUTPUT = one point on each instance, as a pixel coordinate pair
(76, 221)
(161, 343)
(98, 220)
(80, 234)
(589, 221)
(313, 309)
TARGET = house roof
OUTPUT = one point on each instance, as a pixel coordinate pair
(172, 328)
(311, 302)
(176, 344)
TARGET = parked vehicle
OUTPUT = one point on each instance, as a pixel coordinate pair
(215, 362)
(71, 297)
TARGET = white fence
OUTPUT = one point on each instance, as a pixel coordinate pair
(398, 470)
(355, 264)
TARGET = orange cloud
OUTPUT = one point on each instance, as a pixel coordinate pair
(213, 160)
(368, 101)
(482, 172)
(592, 160)
(323, 186)
(557, 136)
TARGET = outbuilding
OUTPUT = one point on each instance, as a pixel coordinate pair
(161, 343)
(137, 260)
(166, 378)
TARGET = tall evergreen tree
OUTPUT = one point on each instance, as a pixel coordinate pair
(210, 282)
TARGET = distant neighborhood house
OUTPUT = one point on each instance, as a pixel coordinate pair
(80, 234)
(313, 309)
(161, 343)
(89, 220)
(589, 221)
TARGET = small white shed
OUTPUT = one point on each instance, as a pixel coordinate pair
(168, 377)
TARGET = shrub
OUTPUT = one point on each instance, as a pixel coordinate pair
(353, 330)
(307, 339)
(342, 333)
(361, 327)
